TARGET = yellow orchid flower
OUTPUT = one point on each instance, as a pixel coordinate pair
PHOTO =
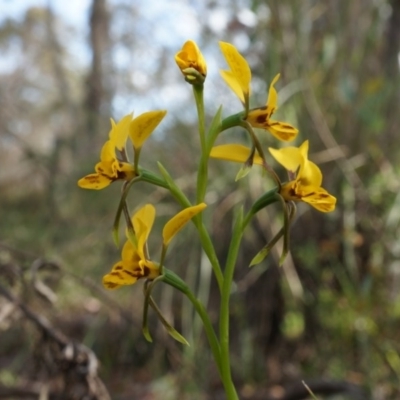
(189, 58)
(261, 117)
(134, 262)
(111, 168)
(238, 78)
(306, 186)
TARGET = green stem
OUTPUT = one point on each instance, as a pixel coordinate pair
(172, 279)
(202, 173)
(198, 96)
(224, 310)
(232, 121)
(209, 249)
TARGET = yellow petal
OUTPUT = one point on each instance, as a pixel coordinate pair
(122, 273)
(142, 126)
(129, 253)
(176, 223)
(289, 157)
(239, 71)
(282, 130)
(142, 223)
(320, 199)
(94, 181)
(107, 151)
(191, 57)
(235, 153)
(272, 102)
(233, 83)
(108, 169)
(146, 216)
(120, 131)
(309, 174)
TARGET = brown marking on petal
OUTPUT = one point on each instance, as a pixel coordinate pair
(287, 126)
(118, 268)
(116, 273)
(132, 274)
(323, 195)
(261, 119)
(110, 285)
(91, 178)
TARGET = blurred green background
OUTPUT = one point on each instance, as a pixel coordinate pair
(331, 313)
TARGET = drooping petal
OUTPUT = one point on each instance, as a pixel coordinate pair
(176, 223)
(235, 153)
(239, 76)
(191, 57)
(142, 126)
(319, 198)
(120, 131)
(282, 130)
(122, 273)
(94, 181)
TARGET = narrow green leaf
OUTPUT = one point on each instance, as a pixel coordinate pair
(243, 171)
(151, 177)
(145, 325)
(171, 331)
(260, 256)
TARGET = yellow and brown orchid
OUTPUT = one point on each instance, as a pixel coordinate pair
(135, 263)
(261, 117)
(238, 78)
(112, 167)
(306, 185)
(191, 62)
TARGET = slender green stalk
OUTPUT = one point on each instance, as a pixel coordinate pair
(208, 328)
(224, 310)
(174, 280)
(198, 95)
(202, 173)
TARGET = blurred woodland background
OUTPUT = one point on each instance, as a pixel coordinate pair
(329, 316)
